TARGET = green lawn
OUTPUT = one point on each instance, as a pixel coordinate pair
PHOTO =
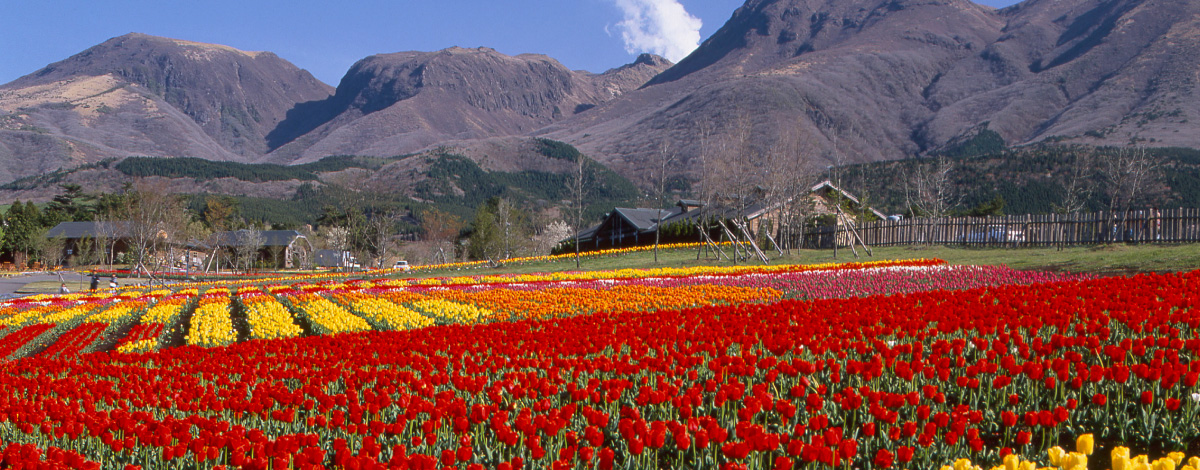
(1104, 260)
(1112, 259)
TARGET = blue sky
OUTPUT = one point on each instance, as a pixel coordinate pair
(326, 40)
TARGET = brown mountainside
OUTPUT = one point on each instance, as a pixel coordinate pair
(145, 95)
(397, 103)
(836, 81)
(887, 79)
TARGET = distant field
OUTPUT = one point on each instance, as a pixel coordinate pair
(1107, 260)
(1103, 260)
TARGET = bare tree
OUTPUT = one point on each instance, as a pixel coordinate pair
(109, 230)
(580, 182)
(441, 229)
(153, 214)
(790, 183)
(743, 168)
(246, 247)
(277, 252)
(929, 188)
(1128, 175)
(381, 234)
(504, 227)
(53, 249)
(711, 147)
(665, 158)
(1079, 183)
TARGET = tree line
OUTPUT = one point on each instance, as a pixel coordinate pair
(190, 167)
(1039, 180)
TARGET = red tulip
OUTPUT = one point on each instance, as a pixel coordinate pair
(883, 458)
(1172, 404)
(1008, 418)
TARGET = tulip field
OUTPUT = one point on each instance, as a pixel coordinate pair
(899, 364)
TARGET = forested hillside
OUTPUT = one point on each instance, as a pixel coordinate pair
(208, 169)
(293, 196)
(1031, 180)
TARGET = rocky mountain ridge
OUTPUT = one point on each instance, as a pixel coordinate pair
(397, 103)
(827, 81)
(871, 80)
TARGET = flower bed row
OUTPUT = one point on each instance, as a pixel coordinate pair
(915, 380)
(286, 311)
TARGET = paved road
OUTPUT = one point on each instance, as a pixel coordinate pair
(11, 284)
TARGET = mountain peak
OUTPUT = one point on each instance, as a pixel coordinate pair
(652, 60)
(233, 96)
(152, 39)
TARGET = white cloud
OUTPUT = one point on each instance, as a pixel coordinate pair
(662, 27)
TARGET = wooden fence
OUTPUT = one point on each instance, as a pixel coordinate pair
(1135, 226)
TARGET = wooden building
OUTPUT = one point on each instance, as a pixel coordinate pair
(275, 248)
(110, 238)
(625, 227)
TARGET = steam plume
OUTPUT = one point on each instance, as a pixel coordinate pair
(662, 27)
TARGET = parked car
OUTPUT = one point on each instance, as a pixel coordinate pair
(401, 265)
(994, 234)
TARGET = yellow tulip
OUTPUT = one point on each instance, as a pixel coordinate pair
(1177, 457)
(1163, 464)
(962, 464)
(136, 346)
(1011, 462)
(1056, 454)
(1120, 462)
(1084, 444)
(1194, 462)
(1072, 460)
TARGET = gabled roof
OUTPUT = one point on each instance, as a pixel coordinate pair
(268, 237)
(828, 184)
(645, 219)
(80, 230)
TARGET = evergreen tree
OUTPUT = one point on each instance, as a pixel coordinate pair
(22, 231)
(69, 206)
(12, 220)
(486, 239)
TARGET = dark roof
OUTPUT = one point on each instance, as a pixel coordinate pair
(79, 230)
(269, 237)
(584, 234)
(646, 219)
(726, 207)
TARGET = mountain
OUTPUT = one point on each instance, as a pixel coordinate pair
(145, 95)
(866, 80)
(783, 82)
(390, 104)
